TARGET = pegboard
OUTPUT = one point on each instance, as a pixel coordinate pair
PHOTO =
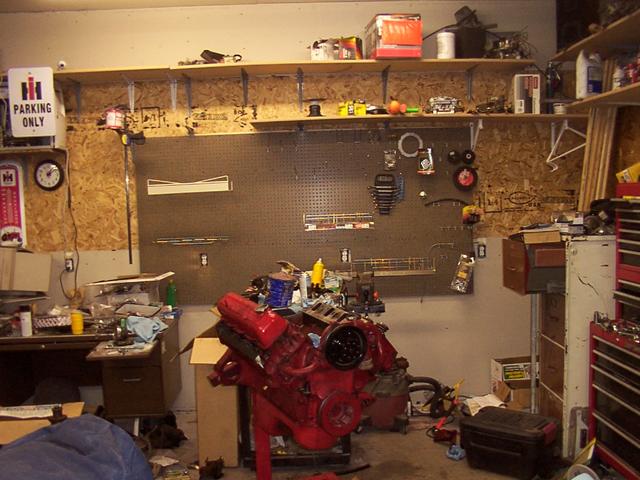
(277, 179)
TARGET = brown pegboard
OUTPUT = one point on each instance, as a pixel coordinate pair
(277, 178)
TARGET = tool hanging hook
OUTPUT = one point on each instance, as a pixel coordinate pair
(553, 155)
(474, 131)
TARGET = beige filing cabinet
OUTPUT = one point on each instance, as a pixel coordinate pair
(564, 335)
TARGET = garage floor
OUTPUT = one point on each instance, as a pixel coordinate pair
(392, 456)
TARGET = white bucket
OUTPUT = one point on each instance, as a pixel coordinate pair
(446, 45)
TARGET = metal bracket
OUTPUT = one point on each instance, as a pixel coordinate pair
(385, 83)
(245, 86)
(187, 89)
(300, 82)
(474, 133)
(173, 88)
(469, 79)
(131, 93)
(554, 156)
(77, 86)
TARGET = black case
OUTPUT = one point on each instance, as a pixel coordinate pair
(509, 442)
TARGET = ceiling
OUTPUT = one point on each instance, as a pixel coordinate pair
(16, 6)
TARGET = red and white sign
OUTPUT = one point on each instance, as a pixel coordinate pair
(13, 229)
(32, 102)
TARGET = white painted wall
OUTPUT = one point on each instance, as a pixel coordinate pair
(274, 32)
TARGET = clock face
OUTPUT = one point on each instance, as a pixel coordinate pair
(49, 175)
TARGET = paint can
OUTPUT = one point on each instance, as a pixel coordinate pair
(281, 287)
(446, 45)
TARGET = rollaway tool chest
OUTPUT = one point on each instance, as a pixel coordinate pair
(509, 442)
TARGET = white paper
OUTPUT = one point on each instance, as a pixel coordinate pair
(28, 411)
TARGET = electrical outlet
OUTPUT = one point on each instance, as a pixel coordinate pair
(68, 265)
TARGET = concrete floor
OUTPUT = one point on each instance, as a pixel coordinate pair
(392, 456)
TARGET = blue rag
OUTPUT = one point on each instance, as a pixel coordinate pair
(455, 452)
(145, 328)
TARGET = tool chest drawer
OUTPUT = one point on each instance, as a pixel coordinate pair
(615, 399)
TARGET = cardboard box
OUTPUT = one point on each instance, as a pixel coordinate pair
(514, 371)
(216, 407)
(629, 175)
(12, 429)
(24, 271)
(541, 235)
(394, 35)
(526, 93)
(514, 398)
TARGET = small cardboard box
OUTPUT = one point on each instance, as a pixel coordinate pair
(394, 35)
(515, 398)
(12, 429)
(24, 271)
(514, 371)
(216, 407)
(630, 174)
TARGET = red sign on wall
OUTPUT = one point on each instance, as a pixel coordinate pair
(13, 229)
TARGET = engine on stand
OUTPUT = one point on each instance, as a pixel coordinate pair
(307, 375)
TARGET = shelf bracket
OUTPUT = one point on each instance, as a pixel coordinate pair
(469, 79)
(474, 133)
(245, 86)
(77, 87)
(187, 89)
(300, 82)
(131, 93)
(385, 83)
(554, 156)
(173, 88)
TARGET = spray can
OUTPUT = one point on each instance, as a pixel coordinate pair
(317, 273)
(26, 326)
(425, 162)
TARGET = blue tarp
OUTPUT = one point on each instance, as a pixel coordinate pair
(82, 448)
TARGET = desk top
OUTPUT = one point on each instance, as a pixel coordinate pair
(49, 341)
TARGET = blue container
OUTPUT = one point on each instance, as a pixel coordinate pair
(281, 288)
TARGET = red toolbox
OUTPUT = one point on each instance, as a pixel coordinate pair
(509, 442)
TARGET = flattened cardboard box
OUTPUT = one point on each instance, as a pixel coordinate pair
(11, 429)
(216, 407)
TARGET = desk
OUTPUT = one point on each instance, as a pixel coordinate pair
(132, 387)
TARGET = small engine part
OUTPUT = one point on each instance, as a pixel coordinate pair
(468, 156)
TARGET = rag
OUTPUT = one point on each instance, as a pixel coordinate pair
(145, 329)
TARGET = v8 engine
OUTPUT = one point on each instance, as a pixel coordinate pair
(307, 374)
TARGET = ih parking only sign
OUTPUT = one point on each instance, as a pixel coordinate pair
(32, 99)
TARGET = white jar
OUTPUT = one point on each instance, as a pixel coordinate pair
(26, 326)
(446, 45)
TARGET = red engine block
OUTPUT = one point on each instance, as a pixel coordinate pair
(313, 393)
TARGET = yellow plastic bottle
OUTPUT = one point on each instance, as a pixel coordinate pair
(317, 273)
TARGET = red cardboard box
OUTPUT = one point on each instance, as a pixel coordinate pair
(394, 35)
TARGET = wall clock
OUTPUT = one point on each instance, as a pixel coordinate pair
(49, 175)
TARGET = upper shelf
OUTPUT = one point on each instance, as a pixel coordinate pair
(226, 70)
(5, 151)
(620, 33)
(627, 95)
(446, 119)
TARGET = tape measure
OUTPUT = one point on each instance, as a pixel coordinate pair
(465, 178)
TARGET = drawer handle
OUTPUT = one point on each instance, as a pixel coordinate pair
(132, 380)
(512, 269)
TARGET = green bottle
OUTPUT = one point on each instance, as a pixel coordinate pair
(171, 293)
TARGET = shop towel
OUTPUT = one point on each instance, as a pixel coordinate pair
(145, 328)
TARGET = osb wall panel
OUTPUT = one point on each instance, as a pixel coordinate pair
(515, 184)
(627, 151)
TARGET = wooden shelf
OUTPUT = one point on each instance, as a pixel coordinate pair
(461, 119)
(624, 96)
(113, 75)
(623, 32)
(5, 151)
(204, 72)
